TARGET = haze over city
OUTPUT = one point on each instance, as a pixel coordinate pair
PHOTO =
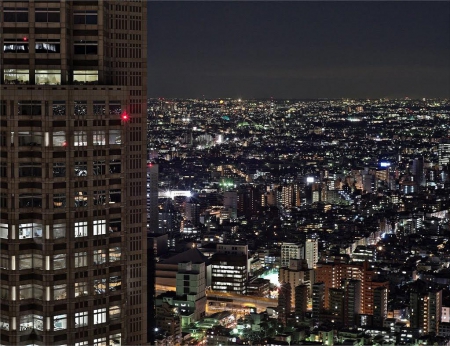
(299, 49)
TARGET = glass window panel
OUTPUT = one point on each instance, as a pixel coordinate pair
(31, 139)
(81, 199)
(99, 167)
(85, 77)
(59, 261)
(4, 322)
(26, 291)
(81, 289)
(15, 46)
(99, 137)
(114, 254)
(30, 169)
(99, 286)
(115, 137)
(59, 230)
(14, 76)
(115, 283)
(80, 259)
(30, 230)
(60, 292)
(115, 166)
(59, 169)
(81, 319)
(80, 108)
(29, 108)
(99, 316)
(80, 168)
(114, 312)
(59, 200)
(99, 227)
(59, 108)
(60, 322)
(48, 77)
(79, 138)
(3, 230)
(59, 139)
(99, 256)
(81, 229)
(115, 108)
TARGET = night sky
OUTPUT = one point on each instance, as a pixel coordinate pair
(301, 49)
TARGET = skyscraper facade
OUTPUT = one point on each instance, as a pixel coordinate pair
(73, 172)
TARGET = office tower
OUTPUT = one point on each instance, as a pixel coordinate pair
(444, 154)
(291, 251)
(152, 198)
(73, 111)
(418, 171)
(312, 251)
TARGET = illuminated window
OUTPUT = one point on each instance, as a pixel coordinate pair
(79, 138)
(80, 168)
(59, 200)
(47, 46)
(4, 322)
(59, 261)
(81, 229)
(100, 342)
(14, 76)
(60, 322)
(99, 137)
(81, 199)
(81, 289)
(99, 316)
(114, 312)
(28, 261)
(115, 137)
(59, 139)
(115, 283)
(81, 319)
(85, 77)
(31, 321)
(30, 230)
(99, 286)
(59, 230)
(80, 259)
(48, 77)
(4, 230)
(59, 292)
(115, 254)
(99, 227)
(15, 46)
(99, 256)
(4, 261)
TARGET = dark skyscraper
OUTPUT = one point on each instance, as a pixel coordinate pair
(73, 113)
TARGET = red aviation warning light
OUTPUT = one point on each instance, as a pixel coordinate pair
(25, 38)
(125, 116)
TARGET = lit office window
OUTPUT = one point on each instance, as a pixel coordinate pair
(15, 45)
(99, 256)
(59, 292)
(81, 229)
(81, 289)
(99, 286)
(115, 254)
(59, 139)
(81, 319)
(115, 137)
(15, 76)
(3, 230)
(48, 77)
(4, 322)
(99, 137)
(30, 230)
(60, 322)
(59, 261)
(99, 227)
(85, 77)
(80, 259)
(47, 46)
(99, 316)
(59, 230)
(79, 138)
(114, 312)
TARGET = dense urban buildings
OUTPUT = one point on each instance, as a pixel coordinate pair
(342, 206)
(73, 173)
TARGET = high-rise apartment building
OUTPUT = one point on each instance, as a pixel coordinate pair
(73, 172)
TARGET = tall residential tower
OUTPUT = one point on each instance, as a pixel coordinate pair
(73, 172)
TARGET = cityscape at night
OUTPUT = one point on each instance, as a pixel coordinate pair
(224, 173)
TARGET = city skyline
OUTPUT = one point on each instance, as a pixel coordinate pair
(298, 49)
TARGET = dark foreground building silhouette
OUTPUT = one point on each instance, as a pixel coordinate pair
(73, 172)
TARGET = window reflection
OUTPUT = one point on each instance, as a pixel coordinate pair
(114, 254)
(115, 283)
(99, 286)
